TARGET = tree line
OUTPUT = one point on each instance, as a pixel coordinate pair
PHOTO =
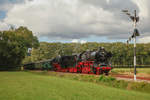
(122, 53)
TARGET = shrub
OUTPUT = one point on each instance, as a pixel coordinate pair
(103, 78)
(120, 84)
(111, 81)
(75, 78)
(141, 86)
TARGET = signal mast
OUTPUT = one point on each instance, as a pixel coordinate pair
(135, 19)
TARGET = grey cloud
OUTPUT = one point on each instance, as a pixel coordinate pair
(114, 6)
(10, 1)
(5, 5)
(75, 19)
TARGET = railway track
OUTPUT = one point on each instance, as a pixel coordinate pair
(131, 78)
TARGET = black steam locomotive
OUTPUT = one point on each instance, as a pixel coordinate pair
(87, 62)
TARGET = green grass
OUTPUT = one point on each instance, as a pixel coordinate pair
(29, 86)
(139, 70)
(102, 80)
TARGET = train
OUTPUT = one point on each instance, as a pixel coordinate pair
(87, 62)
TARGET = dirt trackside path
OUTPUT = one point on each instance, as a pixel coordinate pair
(130, 77)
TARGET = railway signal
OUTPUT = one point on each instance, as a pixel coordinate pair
(135, 19)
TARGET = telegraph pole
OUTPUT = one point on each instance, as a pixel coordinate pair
(135, 19)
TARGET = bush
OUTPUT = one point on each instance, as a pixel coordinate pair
(103, 78)
(75, 78)
(120, 84)
(111, 81)
(141, 86)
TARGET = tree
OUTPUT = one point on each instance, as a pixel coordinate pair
(14, 45)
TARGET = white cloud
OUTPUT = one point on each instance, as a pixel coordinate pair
(3, 26)
(108, 1)
(76, 19)
(75, 41)
(144, 40)
(144, 13)
(143, 6)
(78, 41)
(65, 19)
(83, 41)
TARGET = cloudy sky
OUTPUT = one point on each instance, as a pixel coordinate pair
(77, 20)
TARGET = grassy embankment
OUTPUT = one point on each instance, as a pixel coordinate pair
(102, 80)
(29, 86)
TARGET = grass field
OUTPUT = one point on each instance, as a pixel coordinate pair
(29, 86)
(139, 70)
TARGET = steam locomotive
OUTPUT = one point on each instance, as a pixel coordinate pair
(87, 62)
